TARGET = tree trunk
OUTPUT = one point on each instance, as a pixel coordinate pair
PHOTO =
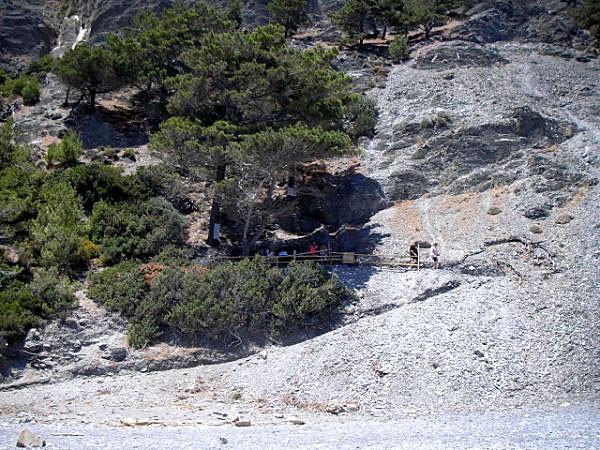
(291, 183)
(66, 103)
(248, 245)
(215, 209)
(384, 32)
(93, 100)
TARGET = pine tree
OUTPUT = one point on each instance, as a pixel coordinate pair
(352, 17)
(288, 13)
(91, 69)
(241, 84)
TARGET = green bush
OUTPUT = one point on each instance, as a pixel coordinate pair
(59, 230)
(67, 152)
(31, 92)
(14, 86)
(399, 50)
(25, 306)
(228, 298)
(95, 182)
(363, 117)
(142, 332)
(120, 288)
(41, 66)
(16, 317)
(135, 229)
(53, 292)
(165, 183)
(249, 297)
(3, 76)
(305, 291)
(17, 193)
(11, 152)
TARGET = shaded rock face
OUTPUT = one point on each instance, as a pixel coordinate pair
(349, 199)
(25, 33)
(503, 20)
(32, 28)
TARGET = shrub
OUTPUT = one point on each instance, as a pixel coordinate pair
(41, 66)
(135, 229)
(95, 182)
(31, 92)
(59, 230)
(15, 314)
(25, 306)
(399, 50)
(3, 76)
(162, 181)
(363, 116)
(120, 288)
(53, 292)
(14, 86)
(306, 291)
(228, 298)
(141, 332)
(220, 302)
(494, 210)
(17, 191)
(67, 152)
(11, 153)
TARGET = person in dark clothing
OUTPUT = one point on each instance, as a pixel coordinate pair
(414, 253)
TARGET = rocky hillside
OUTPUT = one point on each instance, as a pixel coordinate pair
(488, 143)
(32, 28)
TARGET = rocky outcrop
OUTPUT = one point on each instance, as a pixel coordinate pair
(504, 20)
(26, 32)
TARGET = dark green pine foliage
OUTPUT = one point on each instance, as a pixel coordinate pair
(288, 13)
(240, 84)
(352, 19)
(90, 69)
(146, 55)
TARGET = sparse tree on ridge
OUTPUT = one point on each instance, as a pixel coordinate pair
(146, 54)
(351, 19)
(288, 13)
(90, 69)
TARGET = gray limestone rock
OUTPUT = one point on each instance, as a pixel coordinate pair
(29, 439)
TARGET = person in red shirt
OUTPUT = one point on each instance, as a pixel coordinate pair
(313, 249)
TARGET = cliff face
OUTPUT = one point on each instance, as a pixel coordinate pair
(27, 31)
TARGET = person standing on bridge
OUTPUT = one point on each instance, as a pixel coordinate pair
(413, 251)
(435, 255)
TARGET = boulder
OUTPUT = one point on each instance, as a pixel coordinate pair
(28, 439)
(33, 341)
(538, 212)
(564, 219)
(118, 354)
